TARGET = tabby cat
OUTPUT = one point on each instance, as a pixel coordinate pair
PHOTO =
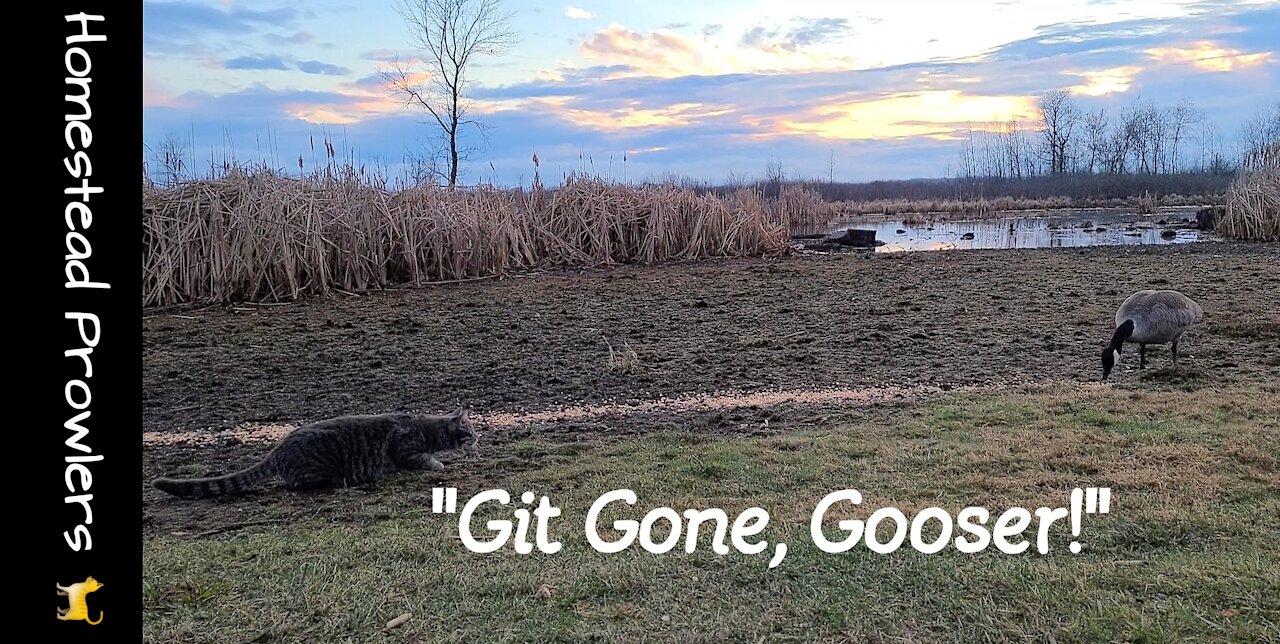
(343, 451)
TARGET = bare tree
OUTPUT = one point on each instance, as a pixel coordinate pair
(1181, 118)
(993, 164)
(736, 181)
(1017, 157)
(1096, 140)
(774, 176)
(170, 159)
(1261, 129)
(968, 157)
(424, 165)
(1058, 116)
(1158, 126)
(451, 34)
(1212, 159)
(1260, 137)
(1137, 129)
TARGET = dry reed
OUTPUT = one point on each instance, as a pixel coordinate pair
(1253, 200)
(255, 235)
(802, 209)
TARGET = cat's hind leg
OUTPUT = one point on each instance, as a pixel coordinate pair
(306, 482)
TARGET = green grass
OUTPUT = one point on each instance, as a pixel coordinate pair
(1189, 552)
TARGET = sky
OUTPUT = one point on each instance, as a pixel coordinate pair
(712, 90)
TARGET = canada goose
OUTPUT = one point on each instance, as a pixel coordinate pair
(1150, 317)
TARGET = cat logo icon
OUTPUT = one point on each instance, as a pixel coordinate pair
(77, 608)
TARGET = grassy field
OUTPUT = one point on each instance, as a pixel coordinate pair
(1189, 552)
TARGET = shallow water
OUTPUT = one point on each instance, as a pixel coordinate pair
(1036, 229)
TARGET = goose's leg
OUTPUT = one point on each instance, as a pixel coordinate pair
(1175, 355)
(1142, 356)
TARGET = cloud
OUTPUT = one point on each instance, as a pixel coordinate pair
(626, 116)
(933, 114)
(318, 67)
(154, 94)
(1207, 56)
(663, 81)
(803, 32)
(280, 63)
(380, 55)
(171, 25)
(702, 103)
(656, 53)
(574, 13)
(391, 57)
(259, 104)
(818, 30)
(1105, 81)
(757, 36)
(258, 62)
(664, 53)
(296, 38)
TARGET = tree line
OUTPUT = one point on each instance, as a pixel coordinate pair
(1143, 137)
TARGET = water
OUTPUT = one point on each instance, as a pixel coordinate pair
(1035, 229)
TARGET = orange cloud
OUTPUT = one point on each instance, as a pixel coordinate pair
(321, 115)
(345, 113)
(358, 102)
(1105, 81)
(934, 114)
(1209, 57)
(666, 54)
(156, 95)
(658, 53)
(679, 114)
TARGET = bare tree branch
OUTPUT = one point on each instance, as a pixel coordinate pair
(1059, 115)
(450, 34)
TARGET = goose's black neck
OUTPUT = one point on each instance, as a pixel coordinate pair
(1122, 333)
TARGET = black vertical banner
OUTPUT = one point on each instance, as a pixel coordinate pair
(88, 468)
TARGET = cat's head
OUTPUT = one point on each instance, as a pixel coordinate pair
(91, 584)
(464, 434)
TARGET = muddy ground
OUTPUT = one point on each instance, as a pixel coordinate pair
(934, 319)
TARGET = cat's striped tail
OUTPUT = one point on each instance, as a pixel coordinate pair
(234, 483)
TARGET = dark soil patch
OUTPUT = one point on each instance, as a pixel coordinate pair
(526, 343)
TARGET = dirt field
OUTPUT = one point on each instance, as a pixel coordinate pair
(889, 332)
(532, 343)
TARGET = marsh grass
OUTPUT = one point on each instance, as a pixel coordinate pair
(623, 360)
(252, 233)
(1188, 552)
(258, 235)
(1253, 200)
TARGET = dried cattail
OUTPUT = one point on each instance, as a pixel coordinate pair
(254, 234)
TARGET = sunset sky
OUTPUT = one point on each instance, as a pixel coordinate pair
(868, 90)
